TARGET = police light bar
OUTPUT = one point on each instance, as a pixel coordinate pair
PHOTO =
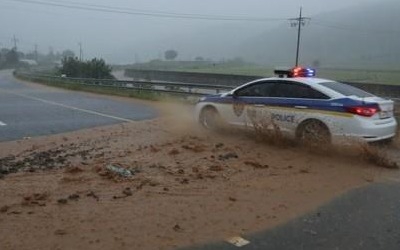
(303, 72)
(295, 72)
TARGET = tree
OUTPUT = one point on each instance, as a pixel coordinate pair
(95, 68)
(170, 54)
(68, 53)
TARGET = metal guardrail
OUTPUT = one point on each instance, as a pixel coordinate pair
(194, 89)
(190, 89)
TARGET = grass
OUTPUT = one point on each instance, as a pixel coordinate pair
(381, 76)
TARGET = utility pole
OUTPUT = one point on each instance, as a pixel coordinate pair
(36, 52)
(298, 22)
(80, 51)
(15, 41)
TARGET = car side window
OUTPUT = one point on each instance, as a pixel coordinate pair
(296, 90)
(262, 89)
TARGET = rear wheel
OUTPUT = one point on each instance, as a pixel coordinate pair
(210, 118)
(313, 132)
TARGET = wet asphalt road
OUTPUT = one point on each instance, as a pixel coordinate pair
(367, 218)
(28, 111)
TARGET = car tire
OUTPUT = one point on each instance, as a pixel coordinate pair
(210, 119)
(313, 132)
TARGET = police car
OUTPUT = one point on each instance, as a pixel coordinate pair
(302, 106)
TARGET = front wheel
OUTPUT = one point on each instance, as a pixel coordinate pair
(313, 132)
(210, 119)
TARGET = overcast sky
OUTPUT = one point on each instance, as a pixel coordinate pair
(119, 37)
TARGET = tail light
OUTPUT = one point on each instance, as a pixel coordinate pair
(366, 111)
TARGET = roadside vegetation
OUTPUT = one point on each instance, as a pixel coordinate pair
(94, 69)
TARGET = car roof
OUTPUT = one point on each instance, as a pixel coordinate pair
(305, 80)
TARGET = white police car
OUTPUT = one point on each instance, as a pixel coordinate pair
(302, 106)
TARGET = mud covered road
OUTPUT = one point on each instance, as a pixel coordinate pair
(188, 186)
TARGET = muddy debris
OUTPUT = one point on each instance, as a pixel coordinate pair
(33, 160)
(255, 164)
(177, 228)
(154, 149)
(62, 201)
(233, 199)
(93, 195)
(228, 156)
(219, 145)
(304, 171)
(4, 209)
(174, 152)
(127, 191)
(73, 197)
(118, 170)
(184, 181)
(37, 199)
(378, 157)
(73, 170)
(60, 232)
(216, 168)
(195, 148)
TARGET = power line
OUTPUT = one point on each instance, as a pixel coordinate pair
(108, 9)
(353, 28)
(163, 12)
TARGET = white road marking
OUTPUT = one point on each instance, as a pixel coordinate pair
(71, 107)
(2, 124)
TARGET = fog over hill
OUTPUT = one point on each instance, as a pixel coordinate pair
(361, 36)
(121, 31)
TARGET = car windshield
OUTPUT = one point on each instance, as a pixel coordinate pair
(346, 89)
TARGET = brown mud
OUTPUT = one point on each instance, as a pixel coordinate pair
(188, 185)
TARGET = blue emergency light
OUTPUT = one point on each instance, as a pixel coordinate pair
(295, 72)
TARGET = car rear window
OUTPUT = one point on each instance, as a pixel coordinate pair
(346, 89)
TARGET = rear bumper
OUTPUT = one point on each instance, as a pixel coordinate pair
(373, 131)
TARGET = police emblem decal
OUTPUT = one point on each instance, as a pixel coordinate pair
(238, 108)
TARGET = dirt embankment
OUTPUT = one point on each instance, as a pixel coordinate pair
(188, 186)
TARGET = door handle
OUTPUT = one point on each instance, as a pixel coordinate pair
(301, 107)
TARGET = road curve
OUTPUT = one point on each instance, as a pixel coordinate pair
(28, 110)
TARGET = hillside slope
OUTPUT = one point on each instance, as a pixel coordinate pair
(363, 36)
